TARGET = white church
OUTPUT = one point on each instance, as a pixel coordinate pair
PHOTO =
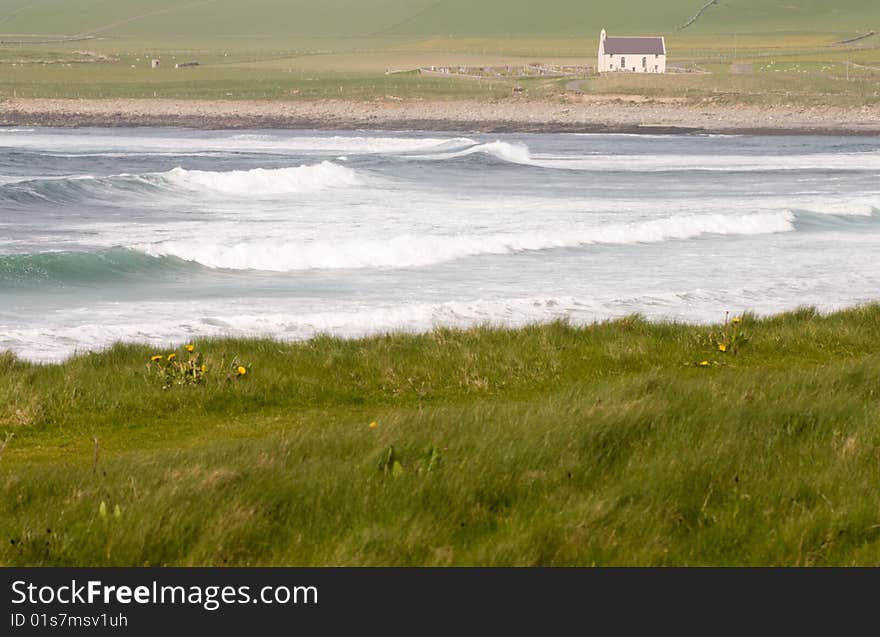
(631, 55)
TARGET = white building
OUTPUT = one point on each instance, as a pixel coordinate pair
(632, 55)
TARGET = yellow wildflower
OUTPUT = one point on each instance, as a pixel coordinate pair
(172, 356)
(722, 347)
(242, 370)
(204, 368)
(188, 348)
(736, 320)
(158, 357)
(703, 363)
(374, 424)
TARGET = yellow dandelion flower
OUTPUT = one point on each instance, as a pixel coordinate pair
(703, 363)
(736, 320)
(188, 348)
(204, 368)
(242, 370)
(374, 424)
(172, 356)
(158, 357)
(722, 347)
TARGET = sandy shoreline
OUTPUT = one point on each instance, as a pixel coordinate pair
(585, 114)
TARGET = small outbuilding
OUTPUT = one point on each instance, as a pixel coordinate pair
(632, 54)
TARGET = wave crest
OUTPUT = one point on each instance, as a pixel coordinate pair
(520, 154)
(258, 182)
(407, 251)
(261, 181)
(512, 153)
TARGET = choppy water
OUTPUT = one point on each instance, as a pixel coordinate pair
(163, 235)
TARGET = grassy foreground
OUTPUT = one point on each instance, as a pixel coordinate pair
(552, 444)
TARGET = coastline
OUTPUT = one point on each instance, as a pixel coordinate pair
(574, 114)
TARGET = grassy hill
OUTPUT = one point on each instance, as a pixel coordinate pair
(760, 16)
(161, 19)
(572, 17)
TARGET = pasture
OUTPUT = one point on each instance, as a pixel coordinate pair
(270, 49)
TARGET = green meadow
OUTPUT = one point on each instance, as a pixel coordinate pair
(800, 50)
(625, 442)
(282, 19)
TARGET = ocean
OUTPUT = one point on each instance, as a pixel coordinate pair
(163, 236)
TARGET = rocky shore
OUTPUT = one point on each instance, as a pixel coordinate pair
(575, 113)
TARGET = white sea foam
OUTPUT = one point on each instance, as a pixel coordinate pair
(505, 151)
(714, 163)
(256, 183)
(514, 153)
(80, 330)
(260, 182)
(865, 206)
(112, 145)
(10, 179)
(518, 153)
(408, 251)
(7, 180)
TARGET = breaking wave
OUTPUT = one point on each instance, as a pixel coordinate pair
(258, 182)
(507, 152)
(187, 257)
(409, 251)
(261, 181)
(518, 153)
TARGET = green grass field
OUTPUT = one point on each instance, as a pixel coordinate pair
(552, 444)
(303, 49)
(282, 19)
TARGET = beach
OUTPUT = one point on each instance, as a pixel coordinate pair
(576, 113)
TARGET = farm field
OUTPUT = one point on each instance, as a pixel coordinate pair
(338, 50)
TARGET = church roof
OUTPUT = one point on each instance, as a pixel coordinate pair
(635, 46)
